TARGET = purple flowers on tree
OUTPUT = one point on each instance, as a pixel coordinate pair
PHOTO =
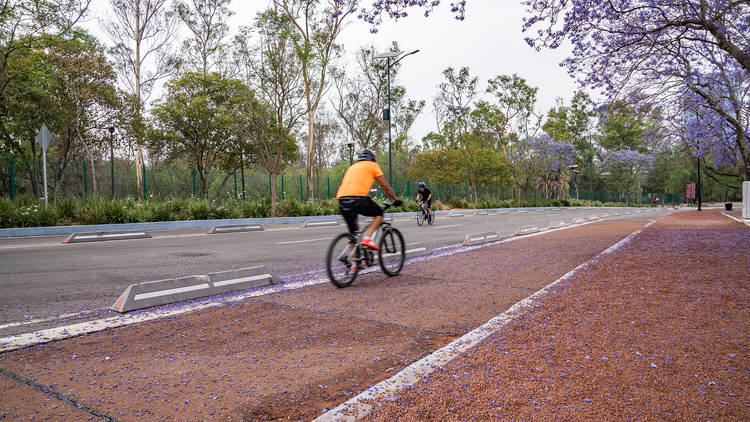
(627, 168)
(691, 56)
(397, 9)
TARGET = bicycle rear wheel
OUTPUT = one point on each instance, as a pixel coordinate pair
(420, 217)
(392, 253)
(431, 217)
(342, 253)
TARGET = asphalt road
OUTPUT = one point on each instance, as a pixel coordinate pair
(44, 278)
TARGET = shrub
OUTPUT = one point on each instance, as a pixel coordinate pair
(255, 209)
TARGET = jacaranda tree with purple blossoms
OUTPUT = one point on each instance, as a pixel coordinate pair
(627, 169)
(716, 112)
(656, 48)
(551, 159)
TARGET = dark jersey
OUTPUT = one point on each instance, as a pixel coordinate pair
(424, 194)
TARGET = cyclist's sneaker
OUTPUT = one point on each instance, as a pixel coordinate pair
(366, 241)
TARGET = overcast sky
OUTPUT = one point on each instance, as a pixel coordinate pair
(489, 41)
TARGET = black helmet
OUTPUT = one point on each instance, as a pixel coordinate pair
(366, 155)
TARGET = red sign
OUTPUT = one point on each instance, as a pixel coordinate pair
(690, 191)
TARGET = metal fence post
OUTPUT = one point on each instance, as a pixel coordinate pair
(300, 188)
(269, 185)
(12, 179)
(282, 186)
(408, 189)
(145, 194)
(235, 184)
(85, 181)
(195, 195)
(329, 187)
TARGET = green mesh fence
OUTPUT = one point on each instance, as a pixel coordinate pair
(77, 178)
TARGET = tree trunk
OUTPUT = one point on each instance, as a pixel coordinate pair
(273, 194)
(139, 172)
(310, 145)
(94, 184)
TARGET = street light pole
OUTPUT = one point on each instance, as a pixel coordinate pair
(591, 170)
(112, 158)
(698, 187)
(387, 112)
(390, 161)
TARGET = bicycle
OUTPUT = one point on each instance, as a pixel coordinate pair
(346, 252)
(423, 215)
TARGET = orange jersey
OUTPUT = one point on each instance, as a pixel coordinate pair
(359, 178)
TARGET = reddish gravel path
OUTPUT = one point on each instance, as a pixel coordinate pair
(294, 354)
(659, 330)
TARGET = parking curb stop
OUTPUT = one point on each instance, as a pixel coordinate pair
(171, 290)
(477, 238)
(106, 235)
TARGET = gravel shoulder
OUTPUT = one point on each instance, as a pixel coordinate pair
(658, 330)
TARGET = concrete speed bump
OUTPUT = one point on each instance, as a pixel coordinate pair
(162, 292)
(592, 218)
(476, 238)
(320, 223)
(577, 220)
(557, 224)
(526, 230)
(235, 229)
(99, 236)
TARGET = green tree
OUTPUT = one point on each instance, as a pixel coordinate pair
(318, 25)
(26, 26)
(197, 118)
(67, 84)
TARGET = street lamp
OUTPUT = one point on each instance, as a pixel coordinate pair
(698, 186)
(351, 152)
(575, 176)
(387, 112)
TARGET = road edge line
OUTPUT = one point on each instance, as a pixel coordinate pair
(361, 404)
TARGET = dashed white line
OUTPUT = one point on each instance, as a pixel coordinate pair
(305, 240)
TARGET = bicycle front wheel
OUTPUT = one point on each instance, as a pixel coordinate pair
(392, 253)
(342, 254)
(420, 217)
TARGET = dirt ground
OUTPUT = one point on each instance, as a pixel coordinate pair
(292, 355)
(659, 330)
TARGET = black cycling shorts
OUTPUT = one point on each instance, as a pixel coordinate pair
(351, 206)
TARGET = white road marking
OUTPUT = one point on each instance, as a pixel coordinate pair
(305, 240)
(448, 226)
(38, 320)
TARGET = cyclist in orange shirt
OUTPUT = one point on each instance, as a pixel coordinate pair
(353, 195)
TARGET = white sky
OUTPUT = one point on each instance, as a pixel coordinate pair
(489, 41)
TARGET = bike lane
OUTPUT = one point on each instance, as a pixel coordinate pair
(294, 354)
(657, 330)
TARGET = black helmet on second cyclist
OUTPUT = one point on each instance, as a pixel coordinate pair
(366, 155)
